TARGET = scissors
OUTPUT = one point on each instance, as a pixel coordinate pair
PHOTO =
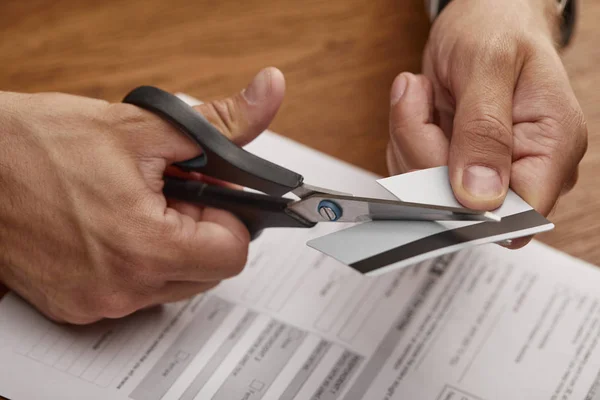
(266, 208)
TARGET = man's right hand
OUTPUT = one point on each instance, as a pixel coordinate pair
(85, 230)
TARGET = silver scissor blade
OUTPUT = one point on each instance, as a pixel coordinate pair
(343, 208)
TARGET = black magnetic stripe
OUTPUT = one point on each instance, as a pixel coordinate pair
(516, 222)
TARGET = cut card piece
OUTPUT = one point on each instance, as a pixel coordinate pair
(377, 247)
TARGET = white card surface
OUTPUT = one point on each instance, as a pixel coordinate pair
(432, 186)
(377, 247)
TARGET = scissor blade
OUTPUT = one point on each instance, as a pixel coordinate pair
(343, 208)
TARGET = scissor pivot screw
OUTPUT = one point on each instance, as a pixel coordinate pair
(329, 211)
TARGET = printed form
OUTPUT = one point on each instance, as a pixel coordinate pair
(483, 323)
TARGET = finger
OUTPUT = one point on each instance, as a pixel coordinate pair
(214, 248)
(191, 210)
(416, 141)
(228, 220)
(549, 154)
(444, 104)
(482, 138)
(539, 181)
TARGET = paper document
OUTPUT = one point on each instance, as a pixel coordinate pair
(378, 247)
(483, 323)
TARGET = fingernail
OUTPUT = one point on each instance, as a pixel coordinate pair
(258, 88)
(398, 88)
(482, 181)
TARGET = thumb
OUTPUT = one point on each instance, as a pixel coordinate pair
(480, 155)
(245, 115)
(240, 117)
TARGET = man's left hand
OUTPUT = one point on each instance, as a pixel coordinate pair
(494, 103)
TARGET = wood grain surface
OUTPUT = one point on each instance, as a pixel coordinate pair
(339, 57)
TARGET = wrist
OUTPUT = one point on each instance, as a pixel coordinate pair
(553, 18)
(557, 18)
(552, 15)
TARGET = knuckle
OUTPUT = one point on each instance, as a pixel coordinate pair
(129, 255)
(143, 270)
(117, 304)
(75, 313)
(128, 119)
(493, 49)
(135, 262)
(79, 320)
(138, 269)
(500, 49)
(221, 113)
(86, 303)
(126, 115)
(76, 305)
(56, 314)
(44, 98)
(139, 130)
(486, 134)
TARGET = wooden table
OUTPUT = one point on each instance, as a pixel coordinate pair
(339, 57)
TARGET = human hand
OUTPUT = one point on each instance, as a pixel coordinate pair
(494, 103)
(85, 231)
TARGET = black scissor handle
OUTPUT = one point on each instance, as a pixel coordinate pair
(221, 158)
(257, 211)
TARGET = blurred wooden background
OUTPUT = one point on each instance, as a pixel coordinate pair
(339, 56)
